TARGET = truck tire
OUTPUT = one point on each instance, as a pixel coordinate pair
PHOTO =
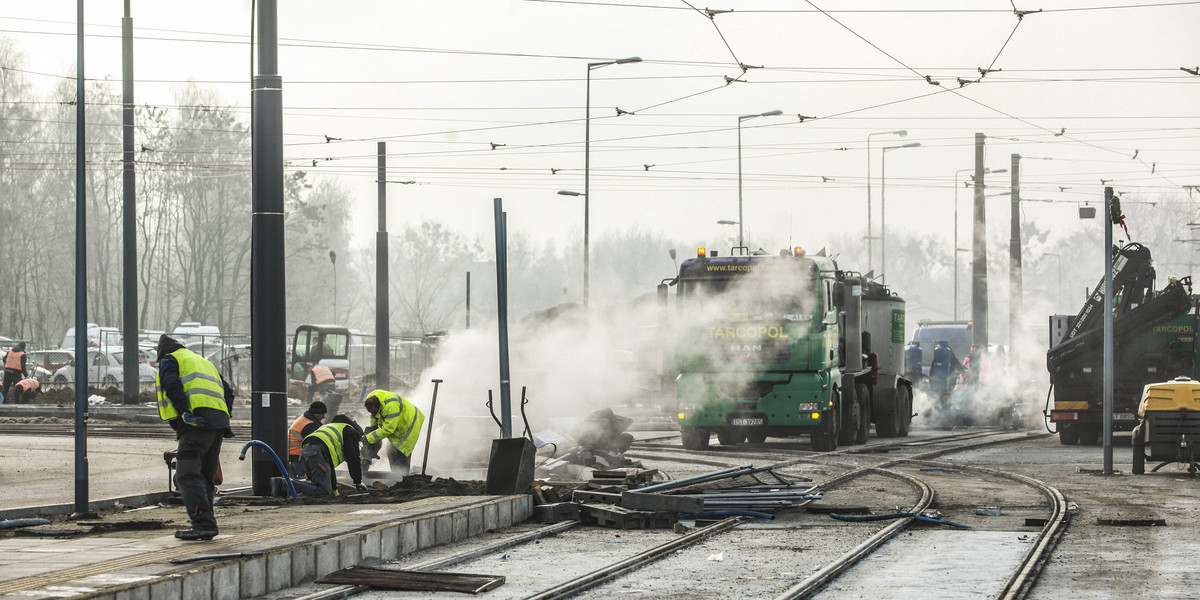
(825, 438)
(904, 410)
(694, 438)
(1089, 436)
(729, 436)
(1139, 458)
(1068, 434)
(756, 437)
(850, 417)
(888, 426)
(862, 396)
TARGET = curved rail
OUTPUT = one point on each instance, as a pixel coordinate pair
(831, 571)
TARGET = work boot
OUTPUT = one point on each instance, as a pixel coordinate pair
(278, 487)
(193, 535)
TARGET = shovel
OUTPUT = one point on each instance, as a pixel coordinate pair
(429, 430)
(510, 466)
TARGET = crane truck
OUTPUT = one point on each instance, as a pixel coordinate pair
(778, 346)
(1154, 339)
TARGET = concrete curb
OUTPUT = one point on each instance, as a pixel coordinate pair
(288, 562)
(25, 512)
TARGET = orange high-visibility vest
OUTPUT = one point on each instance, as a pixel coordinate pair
(321, 374)
(13, 360)
(294, 434)
(28, 385)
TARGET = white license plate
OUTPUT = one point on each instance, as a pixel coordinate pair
(746, 422)
(1124, 416)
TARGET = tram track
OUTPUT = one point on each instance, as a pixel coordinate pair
(616, 568)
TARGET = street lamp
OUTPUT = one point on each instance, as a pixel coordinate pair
(333, 262)
(956, 248)
(883, 207)
(870, 239)
(587, 159)
(769, 113)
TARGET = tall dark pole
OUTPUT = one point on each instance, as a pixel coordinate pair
(979, 284)
(129, 281)
(468, 299)
(383, 372)
(81, 462)
(587, 172)
(502, 314)
(1107, 396)
(268, 325)
(1015, 285)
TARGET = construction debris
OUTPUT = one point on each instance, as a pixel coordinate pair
(631, 501)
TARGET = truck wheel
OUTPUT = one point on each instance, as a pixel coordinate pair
(756, 437)
(904, 410)
(825, 438)
(1068, 434)
(1139, 458)
(863, 398)
(1089, 436)
(850, 417)
(694, 438)
(888, 426)
(729, 437)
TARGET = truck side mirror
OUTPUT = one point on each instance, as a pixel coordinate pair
(839, 294)
(662, 294)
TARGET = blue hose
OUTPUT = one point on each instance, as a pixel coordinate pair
(279, 463)
(13, 523)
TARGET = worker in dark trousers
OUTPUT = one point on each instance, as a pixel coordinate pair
(323, 450)
(197, 403)
(14, 366)
(24, 391)
(397, 420)
(320, 381)
(301, 427)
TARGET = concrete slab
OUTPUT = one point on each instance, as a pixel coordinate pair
(299, 542)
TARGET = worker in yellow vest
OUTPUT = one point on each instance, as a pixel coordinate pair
(196, 402)
(323, 450)
(397, 420)
(301, 427)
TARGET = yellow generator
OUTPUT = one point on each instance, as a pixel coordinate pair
(1169, 424)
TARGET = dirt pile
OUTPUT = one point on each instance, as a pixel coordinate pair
(414, 487)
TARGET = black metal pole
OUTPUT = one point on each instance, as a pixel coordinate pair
(468, 299)
(81, 462)
(1107, 395)
(502, 315)
(129, 281)
(268, 398)
(382, 337)
(1015, 276)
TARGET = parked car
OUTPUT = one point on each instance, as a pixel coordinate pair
(98, 336)
(106, 369)
(44, 363)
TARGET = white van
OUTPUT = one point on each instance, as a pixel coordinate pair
(97, 337)
(201, 339)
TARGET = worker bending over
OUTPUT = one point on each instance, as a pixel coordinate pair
(15, 368)
(301, 427)
(323, 450)
(397, 420)
(25, 390)
(196, 401)
(320, 378)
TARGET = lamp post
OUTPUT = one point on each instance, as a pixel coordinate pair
(769, 113)
(883, 207)
(333, 263)
(870, 239)
(956, 248)
(587, 159)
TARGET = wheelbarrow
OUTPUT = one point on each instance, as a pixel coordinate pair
(510, 465)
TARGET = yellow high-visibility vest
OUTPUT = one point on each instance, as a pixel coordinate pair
(201, 385)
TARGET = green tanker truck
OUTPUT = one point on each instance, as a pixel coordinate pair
(785, 345)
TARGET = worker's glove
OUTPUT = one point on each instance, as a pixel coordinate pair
(360, 487)
(192, 420)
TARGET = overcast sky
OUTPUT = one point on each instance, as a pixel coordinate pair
(1081, 87)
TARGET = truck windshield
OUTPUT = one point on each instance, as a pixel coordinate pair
(777, 295)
